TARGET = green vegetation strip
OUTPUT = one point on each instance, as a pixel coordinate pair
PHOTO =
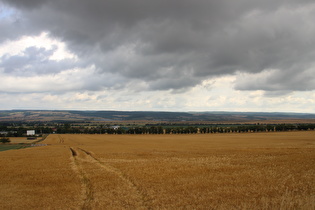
(4, 147)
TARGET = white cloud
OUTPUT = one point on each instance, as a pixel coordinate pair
(16, 47)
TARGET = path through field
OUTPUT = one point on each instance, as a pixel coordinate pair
(84, 162)
(215, 171)
(103, 186)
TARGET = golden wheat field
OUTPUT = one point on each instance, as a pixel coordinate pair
(200, 171)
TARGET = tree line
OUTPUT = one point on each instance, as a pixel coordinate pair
(107, 129)
(185, 129)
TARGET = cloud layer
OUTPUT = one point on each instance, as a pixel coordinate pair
(166, 45)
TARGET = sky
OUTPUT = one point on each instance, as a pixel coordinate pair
(158, 55)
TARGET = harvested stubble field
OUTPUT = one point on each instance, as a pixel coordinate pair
(202, 171)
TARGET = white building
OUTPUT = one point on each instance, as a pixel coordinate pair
(4, 132)
(30, 132)
(115, 127)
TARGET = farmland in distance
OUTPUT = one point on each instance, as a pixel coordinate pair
(196, 171)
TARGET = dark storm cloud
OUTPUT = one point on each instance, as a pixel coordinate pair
(177, 44)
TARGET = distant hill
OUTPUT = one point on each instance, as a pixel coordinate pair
(214, 117)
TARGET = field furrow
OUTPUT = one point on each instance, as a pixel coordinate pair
(86, 185)
(61, 140)
(140, 198)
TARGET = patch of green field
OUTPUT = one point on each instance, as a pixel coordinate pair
(4, 147)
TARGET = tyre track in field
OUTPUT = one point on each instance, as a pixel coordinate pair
(61, 140)
(141, 197)
(86, 185)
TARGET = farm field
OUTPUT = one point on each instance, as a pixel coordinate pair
(17, 143)
(273, 170)
(22, 140)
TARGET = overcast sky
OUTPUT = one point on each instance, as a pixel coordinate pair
(160, 55)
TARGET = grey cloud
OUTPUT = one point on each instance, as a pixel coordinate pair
(277, 93)
(30, 4)
(34, 61)
(178, 44)
(177, 83)
(277, 81)
(12, 29)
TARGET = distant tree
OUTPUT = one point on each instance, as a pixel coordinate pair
(4, 140)
(120, 131)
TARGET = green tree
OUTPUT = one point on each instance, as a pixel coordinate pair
(4, 140)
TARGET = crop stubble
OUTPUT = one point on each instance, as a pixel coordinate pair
(205, 171)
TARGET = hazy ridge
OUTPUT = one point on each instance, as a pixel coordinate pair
(76, 115)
